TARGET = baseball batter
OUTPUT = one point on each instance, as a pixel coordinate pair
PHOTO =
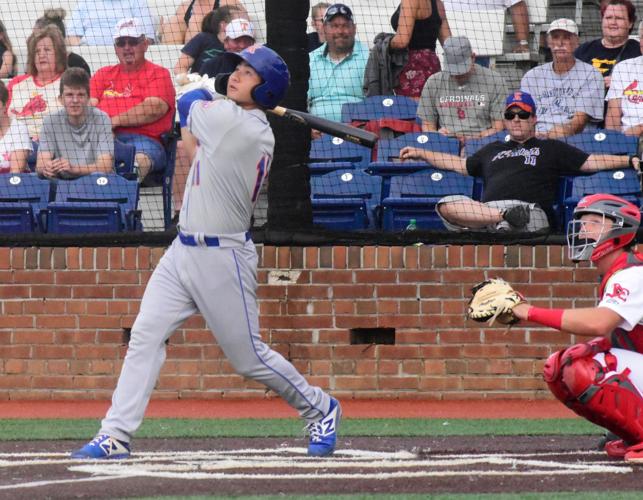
(602, 380)
(211, 266)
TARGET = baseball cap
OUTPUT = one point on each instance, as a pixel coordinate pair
(457, 55)
(521, 99)
(338, 9)
(130, 26)
(563, 24)
(238, 28)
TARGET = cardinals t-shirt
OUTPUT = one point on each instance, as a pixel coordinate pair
(118, 90)
(627, 85)
(30, 101)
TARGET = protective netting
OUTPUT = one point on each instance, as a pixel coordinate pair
(492, 117)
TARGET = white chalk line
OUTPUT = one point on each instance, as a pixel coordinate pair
(217, 465)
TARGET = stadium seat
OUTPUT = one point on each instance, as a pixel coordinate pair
(23, 198)
(95, 203)
(345, 200)
(124, 155)
(415, 197)
(386, 116)
(388, 163)
(321, 168)
(624, 183)
(604, 141)
(473, 145)
(335, 149)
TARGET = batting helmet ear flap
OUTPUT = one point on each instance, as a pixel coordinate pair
(221, 83)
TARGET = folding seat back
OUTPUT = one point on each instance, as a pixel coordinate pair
(23, 198)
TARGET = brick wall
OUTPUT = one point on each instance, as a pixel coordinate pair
(64, 311)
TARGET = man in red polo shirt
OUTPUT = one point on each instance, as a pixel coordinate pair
(137, 95)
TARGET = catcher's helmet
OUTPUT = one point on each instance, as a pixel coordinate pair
(625, 217)
(271, 68)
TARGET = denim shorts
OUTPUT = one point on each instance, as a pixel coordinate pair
(149, 147)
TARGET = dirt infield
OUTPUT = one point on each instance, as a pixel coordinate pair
(361, 465)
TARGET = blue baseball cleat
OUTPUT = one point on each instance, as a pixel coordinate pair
(323, 433)
(102, 447)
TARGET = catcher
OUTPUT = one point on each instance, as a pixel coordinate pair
(601, 379)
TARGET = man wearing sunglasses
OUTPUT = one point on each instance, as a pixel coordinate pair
(520, 175)
(137, 95)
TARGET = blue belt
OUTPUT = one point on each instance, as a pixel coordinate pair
(210, 241)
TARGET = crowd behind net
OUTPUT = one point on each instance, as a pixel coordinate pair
(102, 154)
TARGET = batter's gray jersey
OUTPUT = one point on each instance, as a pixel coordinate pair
(228, 169)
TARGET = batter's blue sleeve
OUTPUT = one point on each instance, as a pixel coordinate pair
(185, 103)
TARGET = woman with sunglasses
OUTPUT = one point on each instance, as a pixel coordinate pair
(418, 24)
(520, 175)
(35, 94)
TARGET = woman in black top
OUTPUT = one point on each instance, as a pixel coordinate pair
(418, 24)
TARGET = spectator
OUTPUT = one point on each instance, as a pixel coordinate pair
(316, 38)
(520, 176)
(7, 57)
(617, 19)
(239, 34)
(464, 100)
(187, 21)
(35, 94)
(137, 95)
(76, 140)
(337, 67)
(625, 96)
(418, 24)
(517, 9)
(209, 43)
(15, 143)
(56, 17)
(93, 21)
(568, 92)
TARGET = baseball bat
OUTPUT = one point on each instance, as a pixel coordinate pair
(336, 129)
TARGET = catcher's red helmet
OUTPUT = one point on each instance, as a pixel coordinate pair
(625, 217)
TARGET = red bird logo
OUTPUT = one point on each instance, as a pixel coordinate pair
(35, 105)
(632, 93)
(619, 292)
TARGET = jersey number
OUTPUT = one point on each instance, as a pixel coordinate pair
(262, 171)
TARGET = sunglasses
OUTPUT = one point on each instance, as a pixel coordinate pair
(337, 9)
(127, 40)
(523, 115)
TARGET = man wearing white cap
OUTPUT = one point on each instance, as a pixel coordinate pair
(464, 100)
(568, 92)
(137, 95)
(239, 34)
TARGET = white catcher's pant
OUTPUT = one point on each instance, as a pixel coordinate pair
(220, 282)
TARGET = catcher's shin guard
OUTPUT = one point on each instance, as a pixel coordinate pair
(581, 383)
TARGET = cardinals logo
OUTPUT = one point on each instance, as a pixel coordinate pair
(618, 293)
(36, 104)
(633, 94)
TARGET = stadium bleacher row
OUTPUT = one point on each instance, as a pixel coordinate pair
(353, 188)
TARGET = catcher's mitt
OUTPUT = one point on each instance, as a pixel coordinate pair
(493, 300)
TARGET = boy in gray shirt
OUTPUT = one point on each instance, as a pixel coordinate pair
(76, 140)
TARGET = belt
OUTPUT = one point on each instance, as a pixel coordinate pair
(192, 240)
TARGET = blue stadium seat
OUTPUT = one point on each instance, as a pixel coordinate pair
(380, 106)
(604, 141)
(473, 145)
(624, 183)
(334, 149)
(388, 163)
(321, 168)
(415, 197)
(345, 200)
(95, 203)
(23, 198)
(124, 155)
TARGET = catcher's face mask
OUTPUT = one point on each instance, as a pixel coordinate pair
(585, 233)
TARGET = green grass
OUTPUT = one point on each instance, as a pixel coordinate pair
(34, 429)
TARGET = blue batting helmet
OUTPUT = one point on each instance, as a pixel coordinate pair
(269, 66)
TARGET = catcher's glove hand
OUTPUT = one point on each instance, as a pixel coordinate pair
(493, 300)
